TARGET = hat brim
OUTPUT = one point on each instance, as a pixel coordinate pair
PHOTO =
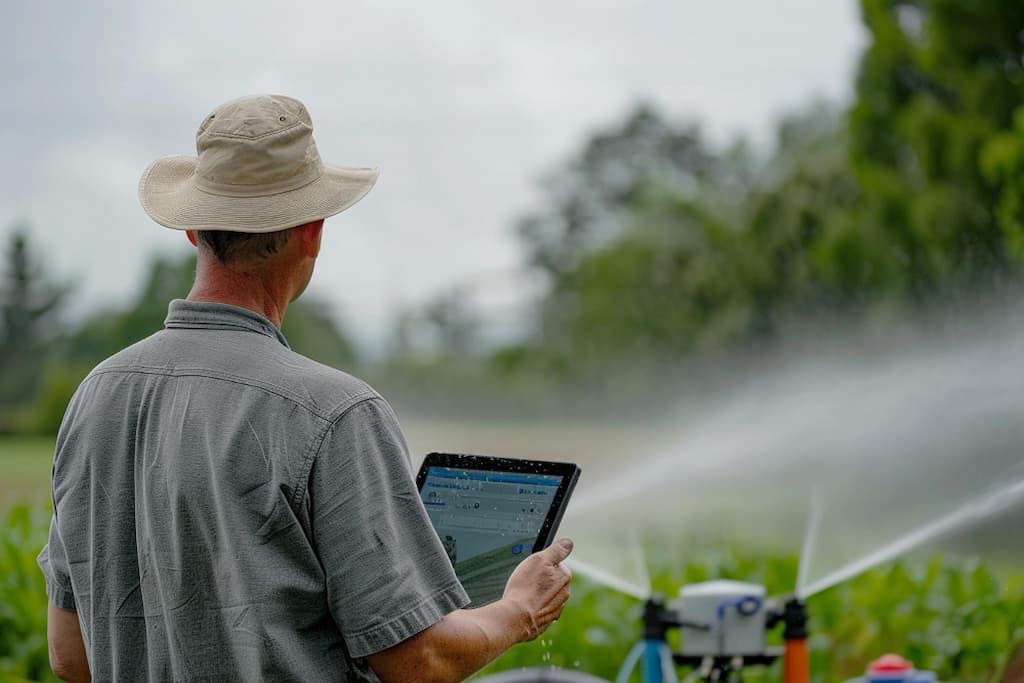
(170, 197)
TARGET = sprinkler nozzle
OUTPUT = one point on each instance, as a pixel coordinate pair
(657, 619)
(794, 619)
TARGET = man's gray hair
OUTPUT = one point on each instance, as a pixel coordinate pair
(241, 246)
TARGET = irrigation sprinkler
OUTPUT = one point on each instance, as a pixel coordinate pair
(723, 628)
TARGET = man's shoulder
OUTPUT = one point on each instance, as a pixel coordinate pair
(124, 358)
(330, 389)
(323, 389)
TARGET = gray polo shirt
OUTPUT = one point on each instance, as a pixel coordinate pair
(226, 509)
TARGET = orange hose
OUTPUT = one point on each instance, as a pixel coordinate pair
(796, 662)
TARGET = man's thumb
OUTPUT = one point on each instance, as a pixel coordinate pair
(559, 550)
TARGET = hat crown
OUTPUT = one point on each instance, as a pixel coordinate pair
(257, 170)
(256, 146)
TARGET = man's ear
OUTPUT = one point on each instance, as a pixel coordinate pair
(309, 234)
(191, 237)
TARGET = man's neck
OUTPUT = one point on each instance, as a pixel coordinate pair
(223, 284)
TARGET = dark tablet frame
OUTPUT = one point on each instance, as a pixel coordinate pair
(570, 473)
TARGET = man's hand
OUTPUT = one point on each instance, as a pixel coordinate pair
(467, 639)
(540, 587)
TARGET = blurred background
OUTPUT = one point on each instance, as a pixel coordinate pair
(755, 266)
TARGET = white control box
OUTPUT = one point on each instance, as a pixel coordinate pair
(733, 612)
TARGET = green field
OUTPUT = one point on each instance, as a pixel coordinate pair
(958, 617)
(25, 469)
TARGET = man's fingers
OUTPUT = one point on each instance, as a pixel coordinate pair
(558, 601)
(553, 610)
(559, 550)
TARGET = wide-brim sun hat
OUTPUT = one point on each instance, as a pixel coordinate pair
(257, 170)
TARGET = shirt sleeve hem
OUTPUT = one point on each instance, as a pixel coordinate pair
(426, 613)
(60, 597)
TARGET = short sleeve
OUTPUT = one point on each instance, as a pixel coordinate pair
(53, 561)
(388, 576)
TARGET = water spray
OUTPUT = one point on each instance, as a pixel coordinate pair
(859, 437)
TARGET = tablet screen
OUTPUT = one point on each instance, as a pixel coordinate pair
(492, 515)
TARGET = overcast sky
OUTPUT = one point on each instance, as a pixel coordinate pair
(462, 103)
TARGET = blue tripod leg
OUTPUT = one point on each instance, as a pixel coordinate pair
(652, 661)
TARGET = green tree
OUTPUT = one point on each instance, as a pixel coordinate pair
(1003, 165)
(656, 244)
(309, 325)
(632, 237)
(312, 329)
(445, 327)
(940, 80)
(110, 329)
(29, 306)
(692, 260)
(587, 202)
(802, 196)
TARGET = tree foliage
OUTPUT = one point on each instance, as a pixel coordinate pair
(29, 305)
(45, 359)
(940, 82)
(690, 265)
(587, 202)
(309, 325)
(658, 244)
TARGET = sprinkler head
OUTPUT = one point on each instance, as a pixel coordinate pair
(658, 618)
(794, 619)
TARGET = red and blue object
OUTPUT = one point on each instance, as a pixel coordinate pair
(895, 669)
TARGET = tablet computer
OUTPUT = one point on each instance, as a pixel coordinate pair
(492, 512)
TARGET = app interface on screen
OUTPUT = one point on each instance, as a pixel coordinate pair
(487, 521)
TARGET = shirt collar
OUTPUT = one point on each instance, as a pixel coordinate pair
(217, 316)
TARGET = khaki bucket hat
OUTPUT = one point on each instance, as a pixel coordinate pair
(257, 170)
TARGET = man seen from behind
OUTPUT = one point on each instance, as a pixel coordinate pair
(227, 509)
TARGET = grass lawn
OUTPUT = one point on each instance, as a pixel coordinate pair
(25, 469)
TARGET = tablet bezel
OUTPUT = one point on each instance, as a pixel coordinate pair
(570, 473)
